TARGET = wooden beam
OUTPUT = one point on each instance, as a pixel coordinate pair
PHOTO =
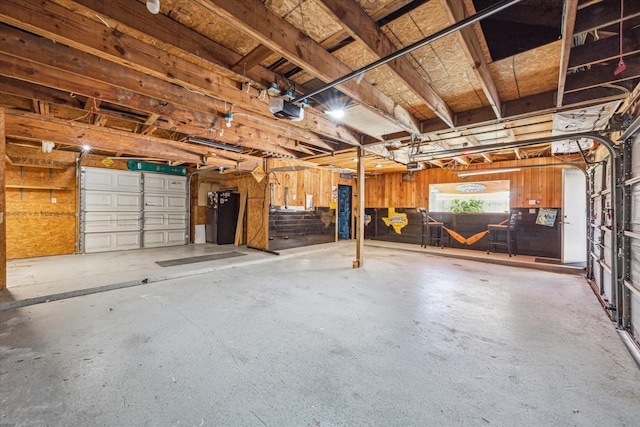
(382, 15)
(598, 76)
(184, 120)
(66, 27)
(568, 24)
(360, 208)
(603, 14)
(3, 204)
(28, 125)
(182, 39)
(529, 106)
(473, 141)
(254, 18)
(604, 50)
(358, 23)
(23, 89)
(148, 127)
(463, 160)
(252, 59)
(471, 46)
(516, 151)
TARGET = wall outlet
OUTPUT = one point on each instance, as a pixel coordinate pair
(54, 200)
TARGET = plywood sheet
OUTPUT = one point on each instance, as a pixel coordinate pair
(40, 222)
(307, 16)
(529, 73)
(194, 16)
(372, 6)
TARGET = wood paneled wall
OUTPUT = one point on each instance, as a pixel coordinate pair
(256, 229)
(314, 181)
(544, 184)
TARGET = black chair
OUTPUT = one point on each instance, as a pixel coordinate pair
(504, 234)
(432, 231)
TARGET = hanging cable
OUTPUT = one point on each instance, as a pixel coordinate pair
(621, 65)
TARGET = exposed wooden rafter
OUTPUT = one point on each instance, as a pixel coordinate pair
(258, 21)
(362, 27)
(568, 24)
(471, 46)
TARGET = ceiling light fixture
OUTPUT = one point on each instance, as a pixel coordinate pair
(338, 113)
(228, 118)
(378, 165)
(153, 6)
(464, 174)
(215, 144)
(471, 187)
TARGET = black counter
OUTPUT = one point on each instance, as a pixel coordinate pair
(292, 229)
(533, 239)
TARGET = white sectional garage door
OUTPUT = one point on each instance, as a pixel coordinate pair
(165, 213)
(129, 210)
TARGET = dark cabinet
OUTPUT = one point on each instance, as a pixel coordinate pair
(222, 217)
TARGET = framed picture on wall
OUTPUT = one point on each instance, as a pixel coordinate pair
(546, 217)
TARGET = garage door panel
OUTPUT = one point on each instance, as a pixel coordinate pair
(165, 220)
(129, 209)
(101, 222)
(157, 238)
(102, 201)
(606, 284)
(597, 178)
(635, 315)
(104, 242)
(107, 180)
(155, 183)
(165, 202)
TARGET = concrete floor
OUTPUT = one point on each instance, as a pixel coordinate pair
(303, 339)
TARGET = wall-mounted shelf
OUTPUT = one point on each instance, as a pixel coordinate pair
(44, 165)
(37, 187)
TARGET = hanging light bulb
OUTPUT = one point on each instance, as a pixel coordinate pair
(153, 6)
(228, 117)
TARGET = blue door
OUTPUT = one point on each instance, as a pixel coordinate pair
(344, 212)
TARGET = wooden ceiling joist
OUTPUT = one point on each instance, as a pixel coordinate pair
(27, 125)
(568, 24)
(471, 46)
(607, 49)
(258, 21)
(358, 23)
(64, 26)
(604, 14)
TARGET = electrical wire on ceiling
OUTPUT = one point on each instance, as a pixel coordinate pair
(621, 65)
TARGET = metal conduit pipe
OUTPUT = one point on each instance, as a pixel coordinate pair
(417, 45)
